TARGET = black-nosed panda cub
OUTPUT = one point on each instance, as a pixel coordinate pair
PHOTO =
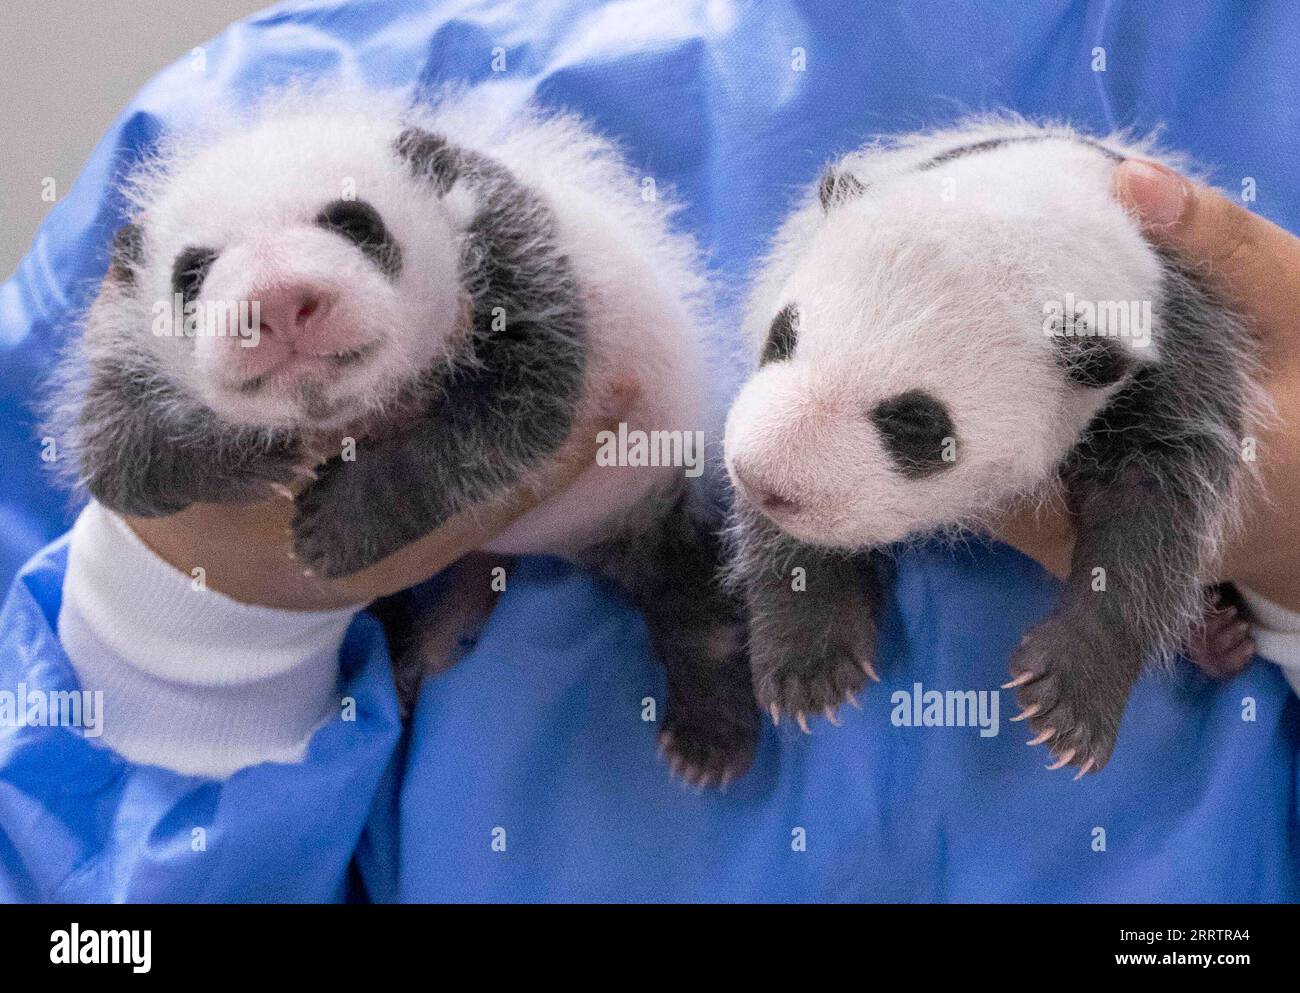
(454, 287)
(954, 322)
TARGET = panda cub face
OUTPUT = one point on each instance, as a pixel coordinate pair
(906, 378)
(343, 259)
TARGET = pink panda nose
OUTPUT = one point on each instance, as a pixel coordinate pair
(296, 314)
(757, 492)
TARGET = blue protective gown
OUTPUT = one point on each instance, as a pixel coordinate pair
(535, 742)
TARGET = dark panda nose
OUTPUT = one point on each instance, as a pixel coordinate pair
(915, 428)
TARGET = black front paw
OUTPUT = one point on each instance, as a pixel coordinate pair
(1072, 682)
(708, 754)
(710, 732)
(238, 471)
(815, 672)
(338, 523)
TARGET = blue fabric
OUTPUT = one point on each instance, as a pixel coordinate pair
(538, 731)
(78, 823)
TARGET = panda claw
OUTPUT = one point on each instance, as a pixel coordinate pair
(869, 669)
(1042, 737)
(665, 742)
(802, 722)
(775, 711)
(1029, 712)
(1084, 769)
(281, 490)
(1063, 760)
(1020, 680)
(852, 698)
(830, 716)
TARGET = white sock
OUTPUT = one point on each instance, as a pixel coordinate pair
(192, 680)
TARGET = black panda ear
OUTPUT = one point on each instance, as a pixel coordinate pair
(126, 254)
(838, 187)
(430, 156)
(1093, 360)
(782, 335)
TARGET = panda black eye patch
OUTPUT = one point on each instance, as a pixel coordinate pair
(782, 336)
(361, 224)
(190, 270)
(914, 427)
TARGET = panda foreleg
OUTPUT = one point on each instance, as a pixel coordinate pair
(1132, 587)
(670, 565)
(497, 412)
(484, 429)
(812, 622)
(147, 452)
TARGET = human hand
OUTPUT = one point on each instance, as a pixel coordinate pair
(1255, 265)
(246, 550)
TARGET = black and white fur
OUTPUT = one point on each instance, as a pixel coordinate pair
(908, 385)
(488, 273)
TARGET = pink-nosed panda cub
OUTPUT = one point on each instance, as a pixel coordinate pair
(954, 322)
(454, 287)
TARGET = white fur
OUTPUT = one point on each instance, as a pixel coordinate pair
(252, 184)
(646, 300)
(933, 279)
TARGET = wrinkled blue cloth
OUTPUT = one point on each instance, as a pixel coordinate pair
(529, 773)
(79, 823)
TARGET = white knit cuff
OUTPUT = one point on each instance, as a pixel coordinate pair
(192, 680)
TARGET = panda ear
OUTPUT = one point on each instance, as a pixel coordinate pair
(1092, 360)
(126, 254)
(837, 187)
(782, 336)
(430, 156)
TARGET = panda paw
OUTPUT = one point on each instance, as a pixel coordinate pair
(1071, 690)
(169, 484)
(710, 728)
(333, 525)
(708, 753)
(799, 679)
(1221, 646)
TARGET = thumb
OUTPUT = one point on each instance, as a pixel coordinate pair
(1254, 263)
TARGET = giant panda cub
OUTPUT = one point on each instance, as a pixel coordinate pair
(952, 323)
(452, 288)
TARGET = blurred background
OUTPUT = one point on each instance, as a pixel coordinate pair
(61, 92)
